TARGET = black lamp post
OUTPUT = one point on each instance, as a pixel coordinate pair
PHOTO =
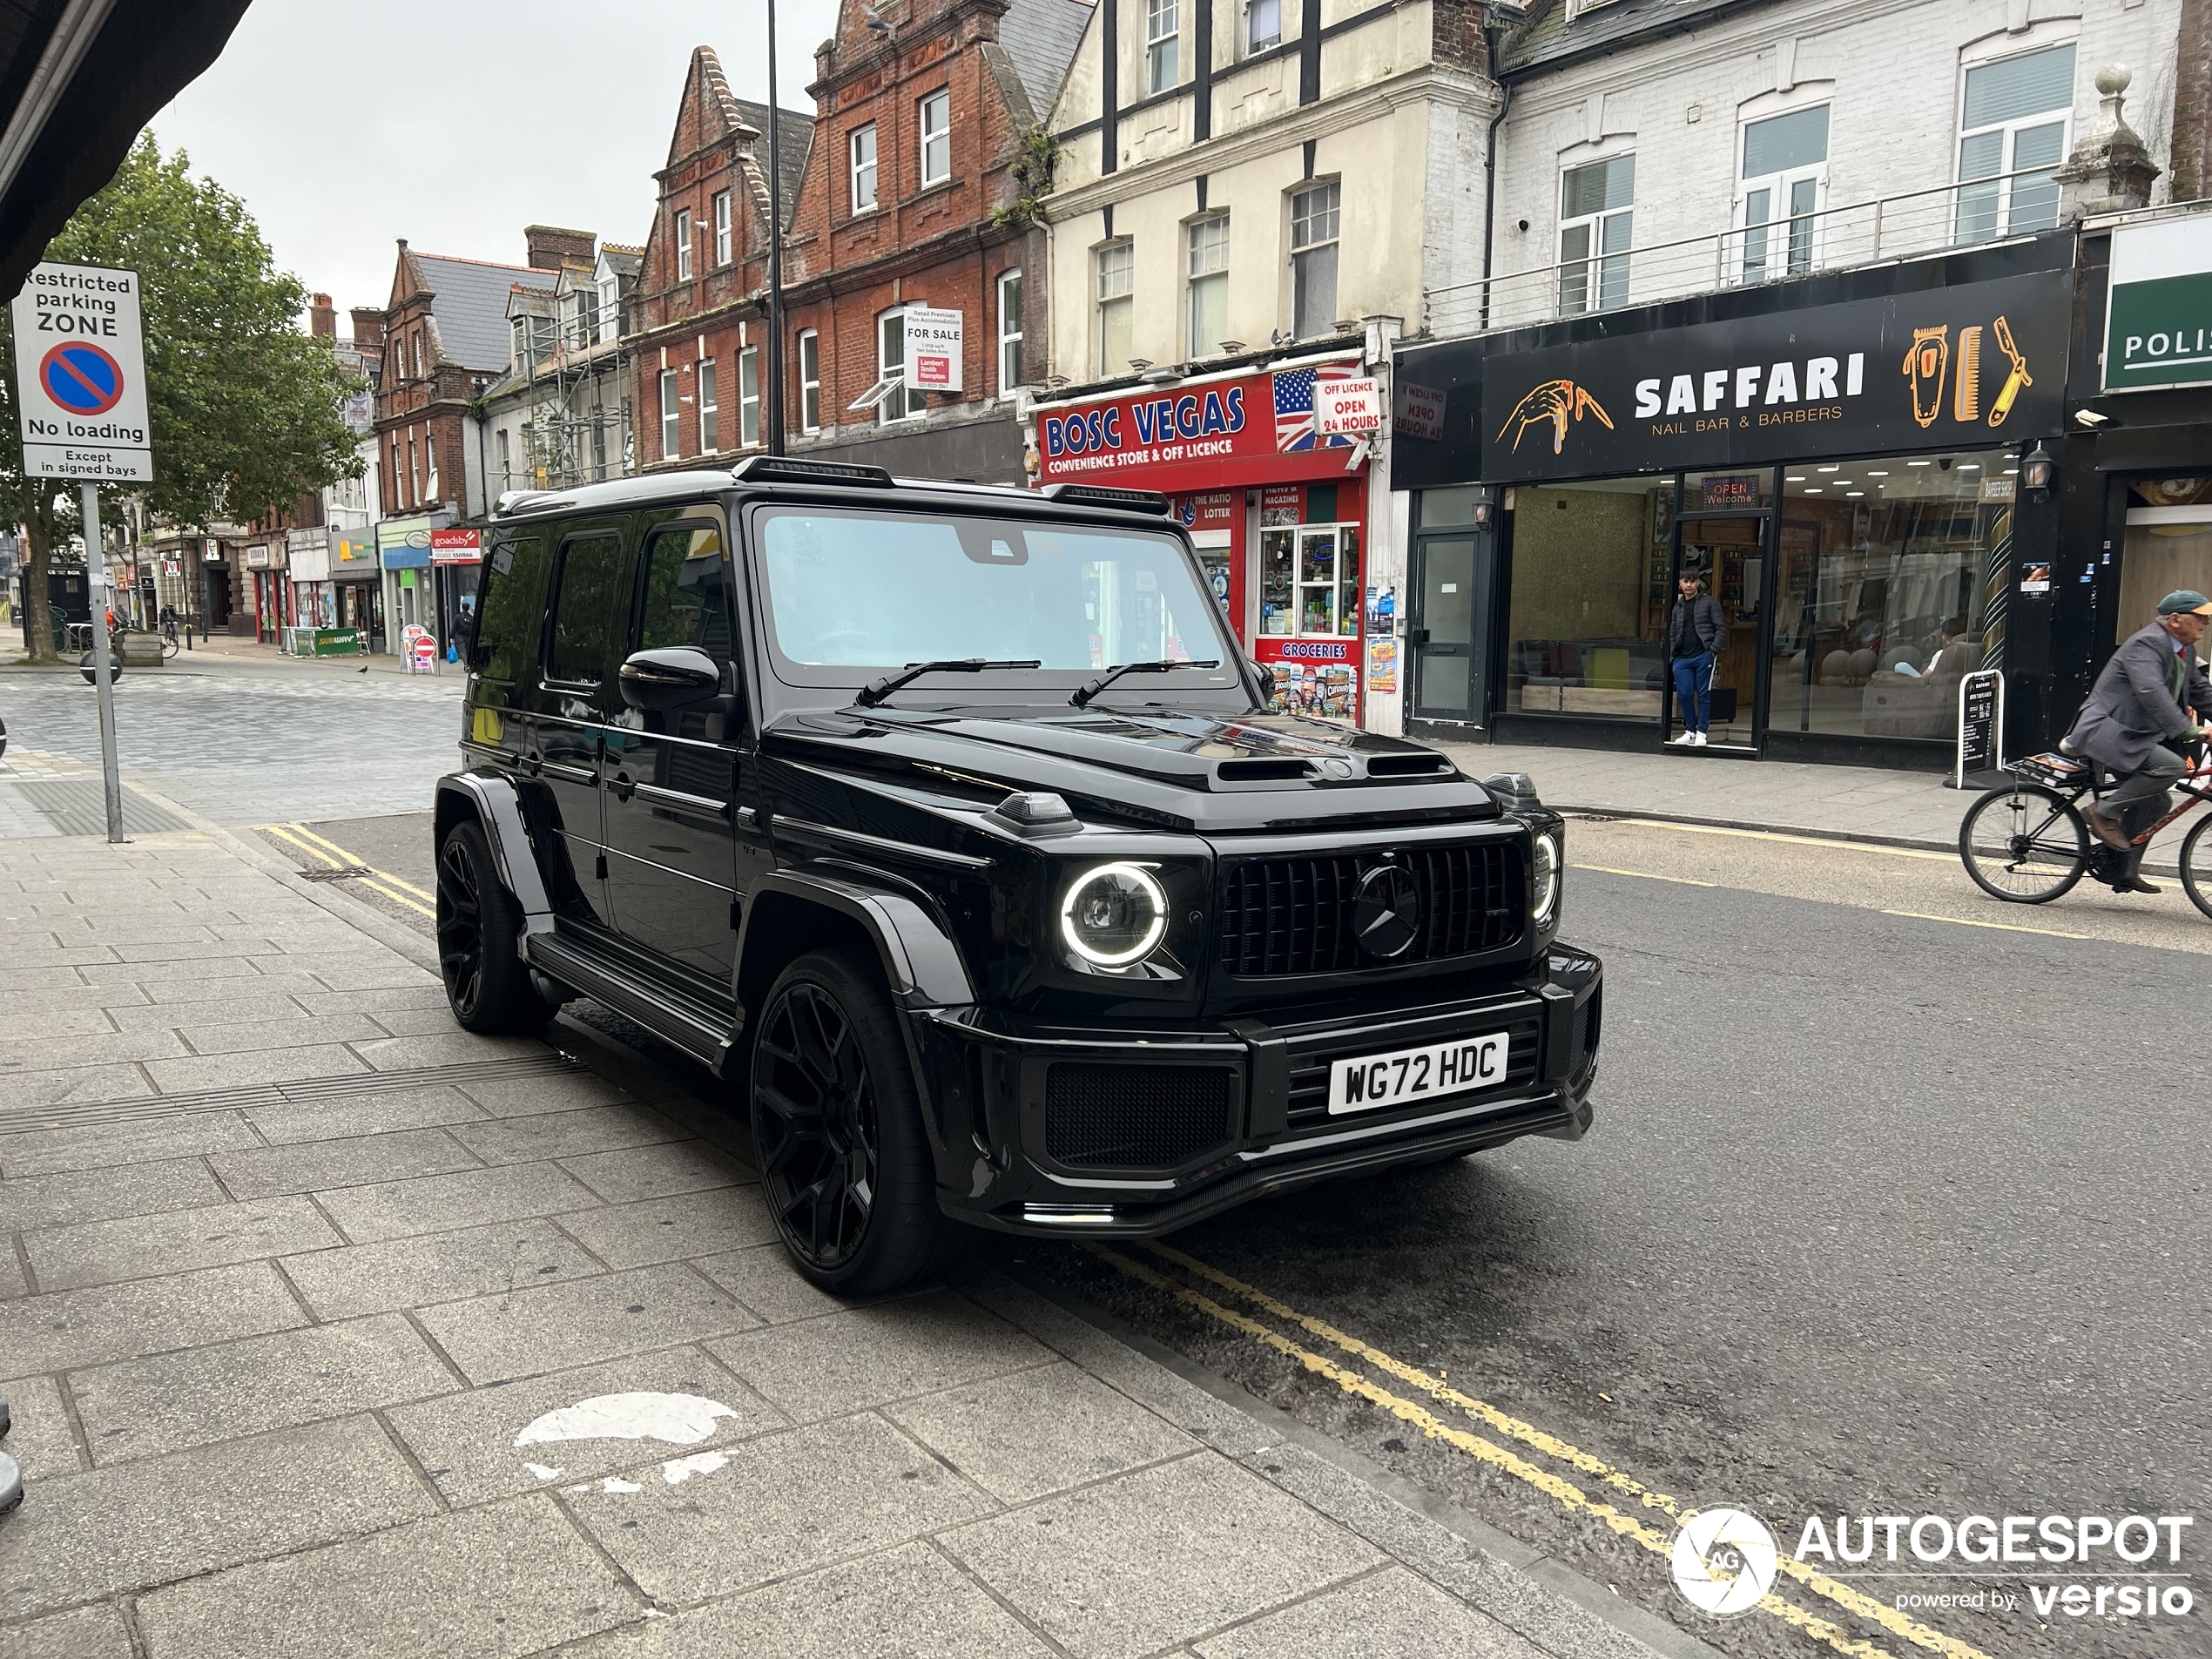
(2039, 471)
(774, 401)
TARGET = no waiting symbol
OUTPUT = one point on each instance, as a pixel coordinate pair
(82, 378)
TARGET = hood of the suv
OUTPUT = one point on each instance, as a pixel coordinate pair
(1192, 766)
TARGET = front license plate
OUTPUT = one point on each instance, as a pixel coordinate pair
(1416, 1074)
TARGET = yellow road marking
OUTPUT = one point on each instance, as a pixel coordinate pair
(1568, 1495)
(1552, 1446)
(1794, 840)
(2002, 926)
(383, 875)
(1649, 875)
(305, 839)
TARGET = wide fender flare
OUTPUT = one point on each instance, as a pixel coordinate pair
(921, 964)
(497, 805)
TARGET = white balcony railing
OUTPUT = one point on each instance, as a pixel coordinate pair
(1917, 222)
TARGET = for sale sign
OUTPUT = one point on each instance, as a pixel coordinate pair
(932, 350)
(81, 374)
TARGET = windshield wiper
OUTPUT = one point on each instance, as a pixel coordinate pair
(875, 690)
(1093, 688)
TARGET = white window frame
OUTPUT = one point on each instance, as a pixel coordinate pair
(862, 167)
(1103, 301)
(809, 381)
(520, 328)
(2006, 205)
(506, 459)
(722, 241)
(889, 396)
(1254, 41)
(610, 310)
(683, 245)
(1206, 274)
(672, 417)
(749, 397)
(1323, 229)
(1009, 327)
(934, 123)
(1162, 44)
(1760, 256)
(710, 384)
(1600, 264)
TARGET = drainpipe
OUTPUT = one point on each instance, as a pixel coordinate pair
(1490, 167)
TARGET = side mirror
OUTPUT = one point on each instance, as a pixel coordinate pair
(673, 678)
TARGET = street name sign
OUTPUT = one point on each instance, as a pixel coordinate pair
(81, 376)
(2158, 317)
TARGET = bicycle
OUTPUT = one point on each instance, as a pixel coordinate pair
(2027, 842)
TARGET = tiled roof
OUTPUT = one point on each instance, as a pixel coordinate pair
(797, 133)
(1041, 36)
(1554, 29)
(469, 300)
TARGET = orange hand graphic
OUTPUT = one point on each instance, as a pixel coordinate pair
(1557, 401)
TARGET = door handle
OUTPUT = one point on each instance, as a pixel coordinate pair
(624, 786)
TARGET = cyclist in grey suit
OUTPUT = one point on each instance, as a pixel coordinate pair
(2152, 696)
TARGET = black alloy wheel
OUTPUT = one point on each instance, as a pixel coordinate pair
(479, 927)
(844, 1168)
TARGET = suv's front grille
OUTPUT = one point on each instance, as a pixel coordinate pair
(1293, 915)
(1135, 1117)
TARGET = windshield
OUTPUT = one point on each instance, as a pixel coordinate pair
(851, 595)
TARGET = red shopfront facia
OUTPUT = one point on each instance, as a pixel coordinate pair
(1278, 518)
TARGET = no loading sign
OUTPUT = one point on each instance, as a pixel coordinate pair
(80, 374)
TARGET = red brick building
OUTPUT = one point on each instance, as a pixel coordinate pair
(904, 189)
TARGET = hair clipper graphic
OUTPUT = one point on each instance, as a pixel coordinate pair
(2016, 381)
(1925, 366)
(1557, 402)
(1966, 390)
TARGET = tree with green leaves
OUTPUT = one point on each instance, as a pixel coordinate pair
(245, 407)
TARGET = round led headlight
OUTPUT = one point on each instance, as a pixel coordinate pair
(1548, 864)
(1114, 914)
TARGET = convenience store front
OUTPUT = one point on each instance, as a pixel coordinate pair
(1278, 513)
(1850, 479)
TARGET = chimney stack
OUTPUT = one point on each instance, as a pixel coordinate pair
(551, 247)
(322, 320)
(368, 329)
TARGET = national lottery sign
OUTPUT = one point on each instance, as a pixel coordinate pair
(81, 374)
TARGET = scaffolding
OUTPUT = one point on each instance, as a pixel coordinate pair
(572, 432)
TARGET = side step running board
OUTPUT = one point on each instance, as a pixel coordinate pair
(706, 1036)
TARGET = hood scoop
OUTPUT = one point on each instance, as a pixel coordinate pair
(1271, 771)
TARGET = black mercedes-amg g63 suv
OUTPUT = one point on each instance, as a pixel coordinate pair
(949, 825)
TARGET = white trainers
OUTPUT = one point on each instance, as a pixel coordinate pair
(1687, 741)
(1697, 738)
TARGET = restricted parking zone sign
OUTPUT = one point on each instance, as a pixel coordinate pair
(81, 376)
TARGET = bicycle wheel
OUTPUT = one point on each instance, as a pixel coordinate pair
(2196, 867)
(2024, 845)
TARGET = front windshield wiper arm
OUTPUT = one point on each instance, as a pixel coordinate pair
(1093, 688)
(875, 690)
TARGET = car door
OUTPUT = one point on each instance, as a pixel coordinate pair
(670, 776)
(586, 624)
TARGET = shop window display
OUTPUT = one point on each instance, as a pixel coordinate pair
(1587, 615)
(1309, 597)
(1885, 569)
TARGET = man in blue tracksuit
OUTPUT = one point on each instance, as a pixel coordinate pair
(1696, 634)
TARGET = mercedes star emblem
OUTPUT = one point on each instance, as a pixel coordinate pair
(1386, 911)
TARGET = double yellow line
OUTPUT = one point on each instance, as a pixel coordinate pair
(1619, 1518)
(338, 858)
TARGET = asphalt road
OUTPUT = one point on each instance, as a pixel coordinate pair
(1883, 1214)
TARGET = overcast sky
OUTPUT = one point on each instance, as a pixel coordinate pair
(454, 123)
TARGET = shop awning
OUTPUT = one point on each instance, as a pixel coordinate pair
(79, 79)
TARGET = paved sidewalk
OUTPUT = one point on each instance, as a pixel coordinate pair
(318, 1315)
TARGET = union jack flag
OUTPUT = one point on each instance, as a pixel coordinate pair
(1294, 407)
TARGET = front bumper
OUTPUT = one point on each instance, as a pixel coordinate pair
(1058, 1129)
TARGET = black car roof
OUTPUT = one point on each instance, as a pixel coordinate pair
(694, 484)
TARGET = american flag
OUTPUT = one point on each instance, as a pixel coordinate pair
(1294, 407)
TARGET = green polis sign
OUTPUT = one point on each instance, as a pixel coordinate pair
(2158, 317)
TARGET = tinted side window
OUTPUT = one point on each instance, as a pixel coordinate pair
(686, 597)
(587, 610)
(510, 607)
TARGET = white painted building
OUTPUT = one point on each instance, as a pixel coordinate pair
(1251, 197)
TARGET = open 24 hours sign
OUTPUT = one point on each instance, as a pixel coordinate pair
(81, 374)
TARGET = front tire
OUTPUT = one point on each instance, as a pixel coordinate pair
(2025, 845)
(844, 1166)
(2196, 867)
(480, 931)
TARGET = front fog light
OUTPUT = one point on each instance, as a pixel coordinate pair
(1114, 914)
(1548, 863)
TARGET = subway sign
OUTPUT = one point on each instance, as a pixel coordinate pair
(2158, 313)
